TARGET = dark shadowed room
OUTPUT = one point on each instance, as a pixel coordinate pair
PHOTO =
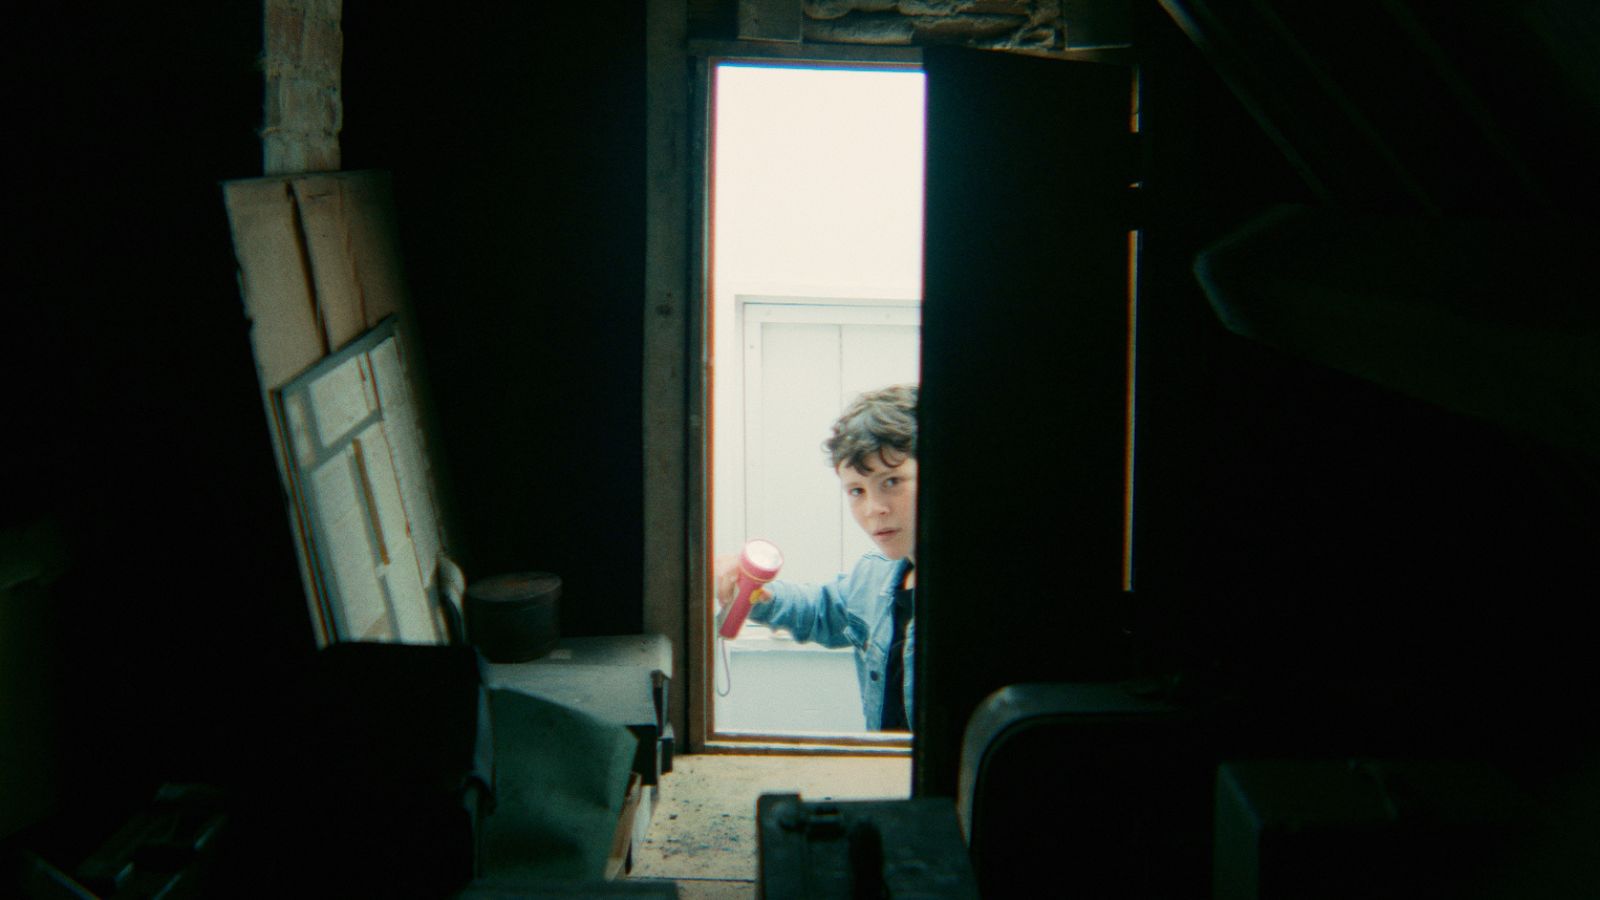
(715, 449)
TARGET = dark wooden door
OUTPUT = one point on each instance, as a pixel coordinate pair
(1025, 392)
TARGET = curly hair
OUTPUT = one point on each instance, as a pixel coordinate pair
(876, 421)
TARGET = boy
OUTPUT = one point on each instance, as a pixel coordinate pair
(873, 449)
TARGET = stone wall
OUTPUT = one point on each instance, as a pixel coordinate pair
(1033, 26)
(999, 24)
(302, 57)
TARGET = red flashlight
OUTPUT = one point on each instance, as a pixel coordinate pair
(758, 564)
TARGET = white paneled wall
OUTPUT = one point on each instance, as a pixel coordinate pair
(803, 363)
(800, 363)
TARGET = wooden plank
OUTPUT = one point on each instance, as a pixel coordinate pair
(409, 457)
(619, 859)
(326, 220)
(670, 562)
(275, 291)
(319, 266)
(340, 509)
(372, 241)
(273, 274)
(415, 622)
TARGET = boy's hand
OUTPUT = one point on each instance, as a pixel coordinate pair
(725, 575)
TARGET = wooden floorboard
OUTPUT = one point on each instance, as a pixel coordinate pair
(703, 834)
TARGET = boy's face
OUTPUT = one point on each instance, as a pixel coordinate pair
(884, 501)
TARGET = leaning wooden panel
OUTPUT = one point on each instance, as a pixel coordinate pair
(285, 333)
(353, 248)
(403, 429)
(274, 278)
(339, 494)
(325, 219)
(372, 242)
(319, 268)
(350, 482)
(415, 621)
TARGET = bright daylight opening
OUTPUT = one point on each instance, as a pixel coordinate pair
(816, 286)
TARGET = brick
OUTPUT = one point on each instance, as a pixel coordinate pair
(283, 30)
(838, 9)
(299, 104)
(950, 29)
(292, 154)
(322, 47)
(861, 28)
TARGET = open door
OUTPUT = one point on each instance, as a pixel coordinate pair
(1025, 435)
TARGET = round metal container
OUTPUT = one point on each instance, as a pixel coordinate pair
(514, 617)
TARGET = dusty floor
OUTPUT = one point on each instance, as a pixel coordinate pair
(703, 836)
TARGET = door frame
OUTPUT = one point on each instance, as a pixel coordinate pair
(677, 411)
(699, 672)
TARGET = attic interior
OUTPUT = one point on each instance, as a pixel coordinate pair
(1365, 467)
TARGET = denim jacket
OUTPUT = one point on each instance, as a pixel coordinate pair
(856, 610)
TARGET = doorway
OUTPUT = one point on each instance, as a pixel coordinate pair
(813, 294)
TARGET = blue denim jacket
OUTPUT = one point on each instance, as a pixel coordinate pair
(856, 610)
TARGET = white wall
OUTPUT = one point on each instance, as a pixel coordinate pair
(817, 185)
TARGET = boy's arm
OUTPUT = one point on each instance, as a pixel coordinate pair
(811, 612)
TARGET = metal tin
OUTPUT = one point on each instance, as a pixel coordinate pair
(514, 617)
